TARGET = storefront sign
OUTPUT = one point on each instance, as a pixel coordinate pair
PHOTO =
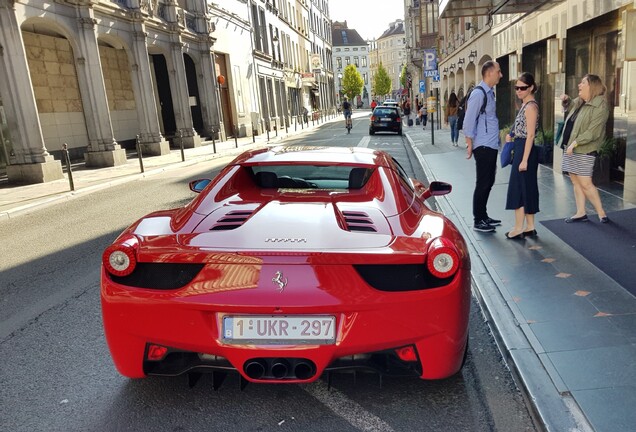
(308, 79)
(316, 63)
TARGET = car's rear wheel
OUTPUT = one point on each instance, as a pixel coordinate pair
(400, 131)
(465, 354)
(371, 131)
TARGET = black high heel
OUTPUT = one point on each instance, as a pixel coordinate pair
(576, 219)
(531, 233)
(519, 236)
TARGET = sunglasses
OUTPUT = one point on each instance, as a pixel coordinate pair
(522, 88)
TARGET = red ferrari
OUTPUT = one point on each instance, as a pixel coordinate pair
(292, 262)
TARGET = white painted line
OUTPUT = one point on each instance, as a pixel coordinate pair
(364, 142)
(349, 410)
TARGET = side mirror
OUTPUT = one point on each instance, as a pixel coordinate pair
(197, 186)
(436, 188)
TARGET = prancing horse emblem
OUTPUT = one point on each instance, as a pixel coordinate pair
(279, 280)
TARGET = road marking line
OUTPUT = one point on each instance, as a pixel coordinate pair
(364, 142)
(349, 410)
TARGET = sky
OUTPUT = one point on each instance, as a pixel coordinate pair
(369, 17)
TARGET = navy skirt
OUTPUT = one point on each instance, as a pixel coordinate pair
(523, 190)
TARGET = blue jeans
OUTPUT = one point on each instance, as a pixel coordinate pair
(452, 120)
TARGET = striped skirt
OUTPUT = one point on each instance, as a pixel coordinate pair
(578, 164)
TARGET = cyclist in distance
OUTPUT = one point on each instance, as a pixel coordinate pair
(346, 109)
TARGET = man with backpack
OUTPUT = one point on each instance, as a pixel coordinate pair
(481, 129)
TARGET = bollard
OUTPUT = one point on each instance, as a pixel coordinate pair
(268, 133)
(181, 145)
(276, 126)
(236, 136)
(139, 155)
(295, 123)
(213, 141)
(253, 136)
(67, 161)
(286, 131)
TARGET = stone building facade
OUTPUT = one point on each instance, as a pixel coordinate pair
(350, 48)
(103, 75)
(390, 50)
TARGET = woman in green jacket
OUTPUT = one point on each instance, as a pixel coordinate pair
(583, 134)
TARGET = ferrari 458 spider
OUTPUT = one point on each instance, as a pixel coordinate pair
(292, 262)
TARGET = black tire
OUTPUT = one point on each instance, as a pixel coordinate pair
(465, 355)
(371, 132)
(400, 132)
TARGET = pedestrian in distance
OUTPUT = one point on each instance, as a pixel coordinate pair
(423, 115)
(373, 104)
(407, 112)
(482, 140)
(523, 189)
(305, 115)
(583, 134)
(346, 109)
(450, 114)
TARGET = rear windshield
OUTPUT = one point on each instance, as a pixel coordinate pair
(311, 176)
(384, 111)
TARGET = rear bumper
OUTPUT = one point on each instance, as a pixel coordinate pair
(389, 127)
(435, 321)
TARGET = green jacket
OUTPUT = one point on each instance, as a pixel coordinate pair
(589, 126)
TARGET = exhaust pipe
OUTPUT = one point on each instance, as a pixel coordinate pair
(304, 370)
(255, 369)
(279, 369)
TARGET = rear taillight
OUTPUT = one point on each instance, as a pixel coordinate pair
(120, 258)
(398, 119)
(407, 353)
(156, 352)
(442, 259)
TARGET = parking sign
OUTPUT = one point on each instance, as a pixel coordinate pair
(422, 86)
(430, 59)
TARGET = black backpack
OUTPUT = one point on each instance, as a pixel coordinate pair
(461, 110)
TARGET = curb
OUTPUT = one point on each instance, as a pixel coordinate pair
(555, 411)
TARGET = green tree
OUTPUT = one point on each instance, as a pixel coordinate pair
(403, 76)
(381, 82)
(352, 82)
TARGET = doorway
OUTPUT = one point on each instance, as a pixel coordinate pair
(224, 94)
(165, 95)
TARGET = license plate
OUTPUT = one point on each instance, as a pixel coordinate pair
(386, 119)
(310, 329)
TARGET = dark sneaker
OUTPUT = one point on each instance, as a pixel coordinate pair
(483, 226)
(493, 222)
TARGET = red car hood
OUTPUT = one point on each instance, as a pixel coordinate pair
(292, 226)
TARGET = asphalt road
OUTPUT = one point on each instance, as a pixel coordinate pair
(56, 373)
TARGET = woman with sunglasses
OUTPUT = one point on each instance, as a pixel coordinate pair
(523, 190)
(583, 133)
